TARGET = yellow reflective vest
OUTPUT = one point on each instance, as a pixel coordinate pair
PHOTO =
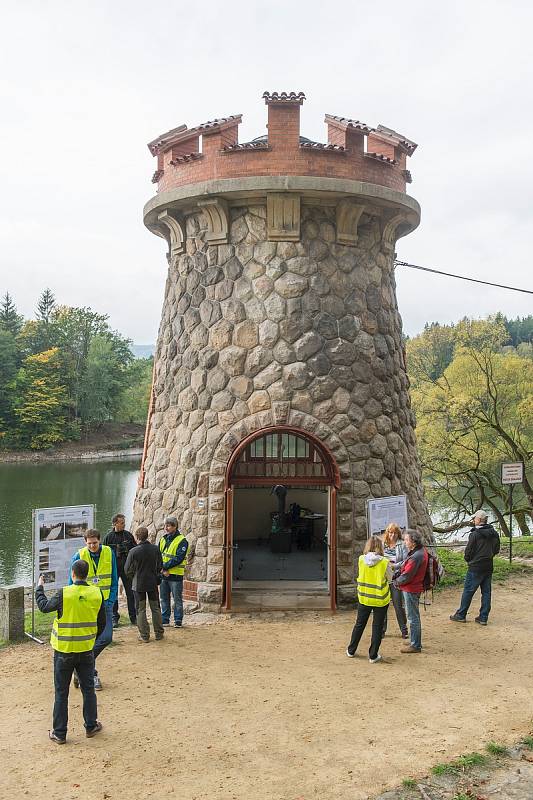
(170, 551)
(372, 584)
(104, 572)
(75, 631)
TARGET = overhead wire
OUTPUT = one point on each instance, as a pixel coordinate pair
(461, 277)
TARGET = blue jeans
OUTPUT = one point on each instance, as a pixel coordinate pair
(412, 609)
(106, 636)
(64, 666)
(174, 588)
(474, 581)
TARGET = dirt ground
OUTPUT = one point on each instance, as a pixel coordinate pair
(271, 708)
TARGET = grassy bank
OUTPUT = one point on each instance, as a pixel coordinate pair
(456, 567)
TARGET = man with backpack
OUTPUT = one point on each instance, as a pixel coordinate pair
(483, 545)
(410, 579)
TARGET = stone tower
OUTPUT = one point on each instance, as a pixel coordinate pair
(279, 315)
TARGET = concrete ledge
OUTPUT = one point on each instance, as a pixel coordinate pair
(318, 188)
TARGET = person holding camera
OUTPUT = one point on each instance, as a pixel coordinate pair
(80, 619)
(143, 566)
(121, 542)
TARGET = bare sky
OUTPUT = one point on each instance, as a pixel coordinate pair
(84, 87)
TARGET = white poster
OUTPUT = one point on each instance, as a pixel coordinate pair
(381, 511)
(58, 534)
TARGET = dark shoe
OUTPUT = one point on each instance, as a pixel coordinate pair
(455, 618)
(93, 731)
(56, 739)
(158, 638)
(405, 635)
(350, 655)
(409, 649)
(97, 684)
(142, 639)
(76, 681)
(115, 623)
(165, 623)
(480, 621)
(177, 625)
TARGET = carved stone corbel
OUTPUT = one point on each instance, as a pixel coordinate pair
(216, 212)
(176, 234)
(391, 233)
(348, 216)
(283, 217)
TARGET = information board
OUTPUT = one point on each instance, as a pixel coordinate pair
(57, 535)
(381, 511)
(512, 472)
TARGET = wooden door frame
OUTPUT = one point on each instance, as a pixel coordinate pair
(332, 482)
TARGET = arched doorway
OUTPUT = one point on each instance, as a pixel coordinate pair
(281, 485)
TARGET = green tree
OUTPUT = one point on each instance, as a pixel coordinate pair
(476, 415)
(102, 383)
(40, 401)
(73, 330)
(134, 399)
(429, 353)
(45, 306)
(8, 371)
(10, 320)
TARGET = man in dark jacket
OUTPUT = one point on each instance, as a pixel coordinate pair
(121, 542)
(143, 566)
(483, 545)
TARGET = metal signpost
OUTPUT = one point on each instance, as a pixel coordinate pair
(57, 533)
(512, 473)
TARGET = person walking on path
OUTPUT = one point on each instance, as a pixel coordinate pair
(411, 582)
(80, 619)
(483, 545)
(121, 542)
(373, 595)
(143, 567)
(103, 574)
(173, 546)
(395, 550)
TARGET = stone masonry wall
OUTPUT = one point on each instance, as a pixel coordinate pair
(256, 333)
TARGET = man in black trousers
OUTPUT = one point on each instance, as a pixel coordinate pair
(80, 619)
(483, 545)
(121, 542)
(143, 566)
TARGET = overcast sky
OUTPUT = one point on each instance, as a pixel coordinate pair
(84, 87)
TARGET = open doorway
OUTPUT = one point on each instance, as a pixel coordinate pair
(267, 548)
(280, 534)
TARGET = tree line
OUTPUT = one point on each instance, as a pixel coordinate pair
(472, 393)
(64, 373)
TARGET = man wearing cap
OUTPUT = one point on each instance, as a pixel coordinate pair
(173, 546)
(483, 545)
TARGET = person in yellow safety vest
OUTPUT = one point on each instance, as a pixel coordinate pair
(373, 595)
(174, 547)
(104, 574)
(80, 619)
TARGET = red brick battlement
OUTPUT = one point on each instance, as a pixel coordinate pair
(354, 150)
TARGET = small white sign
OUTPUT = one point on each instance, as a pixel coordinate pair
(381, 511)
(512, 472)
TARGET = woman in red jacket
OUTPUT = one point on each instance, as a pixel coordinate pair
(411, 581)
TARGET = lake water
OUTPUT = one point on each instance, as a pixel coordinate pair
(109, 485)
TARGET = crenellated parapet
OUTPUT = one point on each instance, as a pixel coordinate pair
(212, 150)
